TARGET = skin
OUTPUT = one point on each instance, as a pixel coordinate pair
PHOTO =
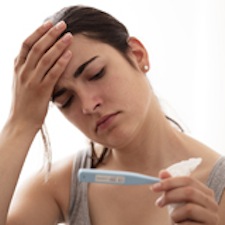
(134, 129)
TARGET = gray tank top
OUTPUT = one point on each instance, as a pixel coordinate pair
(79, 211)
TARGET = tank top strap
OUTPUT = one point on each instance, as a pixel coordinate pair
(78, 209)
(216, 179)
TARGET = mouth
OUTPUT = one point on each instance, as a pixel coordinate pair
(105, 121)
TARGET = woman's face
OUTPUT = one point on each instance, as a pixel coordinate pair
(102, 94)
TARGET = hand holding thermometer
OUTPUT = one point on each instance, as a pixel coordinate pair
(114, 177)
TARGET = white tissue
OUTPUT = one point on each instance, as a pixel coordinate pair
(183, 168)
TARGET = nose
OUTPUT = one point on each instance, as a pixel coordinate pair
(90, 103)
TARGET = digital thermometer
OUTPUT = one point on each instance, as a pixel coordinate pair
(114, 177)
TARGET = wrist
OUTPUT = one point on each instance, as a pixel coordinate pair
(18, 127)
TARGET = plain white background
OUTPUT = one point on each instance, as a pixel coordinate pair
(185, 40)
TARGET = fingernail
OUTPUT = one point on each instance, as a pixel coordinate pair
(60, 25)
(159, 201)
(47, 23)
(66, 37)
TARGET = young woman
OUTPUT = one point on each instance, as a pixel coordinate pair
(86, 63)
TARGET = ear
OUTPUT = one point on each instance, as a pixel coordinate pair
(139, 54)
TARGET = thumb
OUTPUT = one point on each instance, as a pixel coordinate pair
(164, 174)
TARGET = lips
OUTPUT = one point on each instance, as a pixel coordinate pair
(103, 120)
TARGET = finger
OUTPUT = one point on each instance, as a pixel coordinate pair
(194, 213)
(57, 70)
(176, 182)
(52, 55)
(187, 194)
(43, 44)
(31, 40)
(163, 174)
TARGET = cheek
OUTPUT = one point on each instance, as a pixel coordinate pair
(73, 115)
(137, 98)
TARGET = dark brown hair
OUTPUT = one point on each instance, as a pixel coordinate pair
(95, 24)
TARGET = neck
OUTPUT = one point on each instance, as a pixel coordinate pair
(156, 146)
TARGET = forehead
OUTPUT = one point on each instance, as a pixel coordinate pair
(84, 48)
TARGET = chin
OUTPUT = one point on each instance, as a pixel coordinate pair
(120, 141)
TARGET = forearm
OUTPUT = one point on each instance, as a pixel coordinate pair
(34, 82)
(15, 141)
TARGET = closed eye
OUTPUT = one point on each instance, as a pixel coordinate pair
(68, 102)
(98, 75)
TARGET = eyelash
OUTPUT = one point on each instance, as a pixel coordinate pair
(98, 75)
(68, 102)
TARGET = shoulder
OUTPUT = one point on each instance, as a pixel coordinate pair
(41, 202)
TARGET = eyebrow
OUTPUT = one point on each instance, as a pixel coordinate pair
(81, 68)
(77, 73)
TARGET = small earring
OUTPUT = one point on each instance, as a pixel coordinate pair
(146, 68)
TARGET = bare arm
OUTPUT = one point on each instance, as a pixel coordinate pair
(14, 145)
(40, 63)
(39, 202)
